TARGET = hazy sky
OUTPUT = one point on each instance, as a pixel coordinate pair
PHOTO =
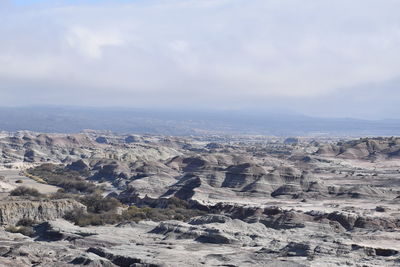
(317, 57)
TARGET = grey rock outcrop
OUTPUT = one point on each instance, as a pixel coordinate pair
(13, 211)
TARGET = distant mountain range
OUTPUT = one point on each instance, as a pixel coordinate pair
(186, 122)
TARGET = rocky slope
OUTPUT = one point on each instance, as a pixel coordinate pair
(25, 148)
(12, 211)
(265, 202)
(364, 148)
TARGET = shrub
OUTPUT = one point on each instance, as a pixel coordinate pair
(96, 203)
(136, 214)
(26, 222)
(61, 194)
(25, 230)
(174, 203)
(25, 191)
(82, 218)
(71, 181)
(101, 211)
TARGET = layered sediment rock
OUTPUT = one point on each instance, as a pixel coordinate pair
(13, 211)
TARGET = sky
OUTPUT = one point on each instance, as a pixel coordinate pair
(314, 57)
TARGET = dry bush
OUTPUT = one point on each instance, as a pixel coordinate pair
(71, 181)
(26, 222)
(25, 191)
(96, 203)
(82, 218)
(134, 213)
(102, 210)
(25, 230)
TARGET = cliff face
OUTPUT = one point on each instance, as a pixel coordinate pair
(13, 211)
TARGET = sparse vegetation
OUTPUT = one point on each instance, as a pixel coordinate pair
(136, 214)
(71, 181)
(25, 191)
(26, 222)
(25, 230)
(100, 210)
(61, 194)
(82, 218)
(103, 211)
(35, 178)
(95, 203)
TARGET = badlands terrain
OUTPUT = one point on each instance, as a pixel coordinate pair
(101, 199)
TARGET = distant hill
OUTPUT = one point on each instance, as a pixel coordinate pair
(185, 122)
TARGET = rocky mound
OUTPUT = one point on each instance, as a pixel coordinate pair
(27, 147)
(364, 148)
(246, 178)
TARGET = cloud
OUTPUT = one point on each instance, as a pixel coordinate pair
(90, 43)
(201, 53)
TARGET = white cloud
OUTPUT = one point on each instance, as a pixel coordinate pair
(91, 43)
(227, 50)
(179, 46)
